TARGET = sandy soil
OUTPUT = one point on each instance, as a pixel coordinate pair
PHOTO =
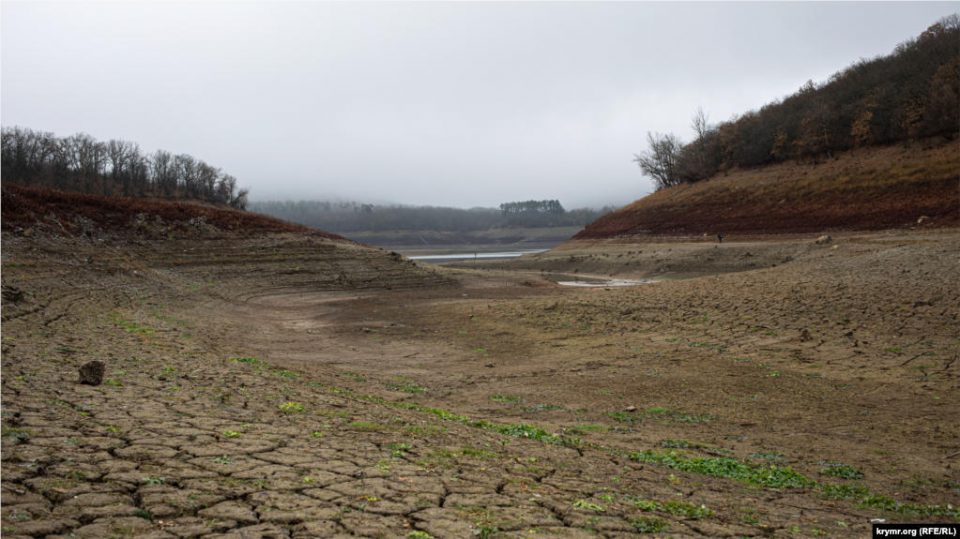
(280, 386)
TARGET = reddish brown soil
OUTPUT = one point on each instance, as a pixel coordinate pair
(870, 189)
(31, 207)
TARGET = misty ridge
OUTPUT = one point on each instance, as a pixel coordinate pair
(351, 216)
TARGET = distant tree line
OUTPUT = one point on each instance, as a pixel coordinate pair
(117, 167)
(910, 94)
(343, 217)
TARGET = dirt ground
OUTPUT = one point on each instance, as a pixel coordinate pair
(288, 387)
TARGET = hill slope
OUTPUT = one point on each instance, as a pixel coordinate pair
(209, 243)
(866, 189)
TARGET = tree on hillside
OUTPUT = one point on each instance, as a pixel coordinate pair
(660, 160)
(910, 94)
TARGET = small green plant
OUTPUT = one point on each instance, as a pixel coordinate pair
(589, 506)
(130, 326)
(418, 534)
(686, 510)
(113, 382)
(292, 408)
(648, 525)
(486, 532)
(398, 449)
(316, 434)
(283, 373)
(247, 360)
(144, 514)
(223, 459)
(154, 481)
(626, 417)
(506, 399)
(477, 453)
(232, 434)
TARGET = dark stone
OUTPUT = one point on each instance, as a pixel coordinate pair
(91, 373)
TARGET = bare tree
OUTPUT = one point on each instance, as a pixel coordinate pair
(660, 160)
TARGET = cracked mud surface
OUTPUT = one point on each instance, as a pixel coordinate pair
(280, 387)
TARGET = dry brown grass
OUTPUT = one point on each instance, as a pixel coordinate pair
(866, 189)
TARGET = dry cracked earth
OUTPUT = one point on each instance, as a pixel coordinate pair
(282, 386)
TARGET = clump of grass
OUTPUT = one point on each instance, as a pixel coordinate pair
(770, 476)
(838, 469)
(868, 500)
(113, 382)
(542, 408)
(673, 507)
(130, 326)
(648, 525)
(626, 417)
(519, 431)
(477, 453)
(366, 425)
(584, 428)
(843, 491)
(223, 459)
(589, 506)
(283, 373)
(231, 434)
(506, 399)
(398, 449)
(292, 408)
(419, 534)
(247, 360)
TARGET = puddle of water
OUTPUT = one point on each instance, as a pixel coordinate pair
(606, 283)
(477, 256)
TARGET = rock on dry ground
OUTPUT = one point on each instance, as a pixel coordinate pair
(282, 387)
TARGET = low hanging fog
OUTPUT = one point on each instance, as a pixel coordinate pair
(458, 104)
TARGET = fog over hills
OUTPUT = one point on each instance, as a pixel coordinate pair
(461, 104)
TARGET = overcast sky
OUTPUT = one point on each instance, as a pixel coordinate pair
(463, 104)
